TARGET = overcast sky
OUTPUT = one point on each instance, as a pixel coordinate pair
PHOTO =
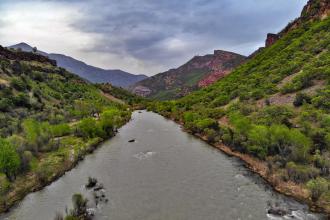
(143, 36)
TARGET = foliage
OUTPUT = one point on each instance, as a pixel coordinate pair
(317, 187)
(9, 159)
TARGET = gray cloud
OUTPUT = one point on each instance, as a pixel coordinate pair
(165, 33)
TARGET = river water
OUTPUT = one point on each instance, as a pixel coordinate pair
(166, 174)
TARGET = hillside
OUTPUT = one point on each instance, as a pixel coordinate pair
(199, 72)
(275, 108)
(91, 73)
(49, 119)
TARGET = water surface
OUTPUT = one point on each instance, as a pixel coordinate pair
(165, 174)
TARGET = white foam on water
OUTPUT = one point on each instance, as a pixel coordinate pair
(144, 155)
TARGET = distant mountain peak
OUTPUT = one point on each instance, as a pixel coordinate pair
(24, 46)
(198, 72)
(93, 74)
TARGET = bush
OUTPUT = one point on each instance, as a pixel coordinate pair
(9, 159)
(259, 141)
(202, 124)
(89, 128)
(22, 100)
(300, 173)
(18, 84)
(5, 104)
(301, 98)
(37, 134)
(317, 187)
(4, 184)
(60, 130)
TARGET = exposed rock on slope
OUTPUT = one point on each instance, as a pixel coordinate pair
(200, 71)
(315, 9)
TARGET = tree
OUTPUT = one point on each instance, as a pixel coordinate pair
(259, 140)
(300, 146)
(89, 128)
(109, 120)
(9, 159)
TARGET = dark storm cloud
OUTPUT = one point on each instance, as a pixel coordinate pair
(166, 33)
(142, 28)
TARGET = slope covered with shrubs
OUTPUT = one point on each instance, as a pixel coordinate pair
(275, 107)
(49, 119)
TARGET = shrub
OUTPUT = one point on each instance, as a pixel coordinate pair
(4, 184)
(317, 187)
(259, 141)
(22, 100)
(9, 159)
(211, 134)
(301, 173)
(60, 130)
(18, 84)
(202, 124)
(301, 98)
(89, 128)
(5, 104)
(36, 134)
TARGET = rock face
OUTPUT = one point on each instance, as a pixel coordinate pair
(199, 72)
(315, 9)
(142, 91)
(271, 39)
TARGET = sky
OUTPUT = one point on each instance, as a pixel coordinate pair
(143, 36)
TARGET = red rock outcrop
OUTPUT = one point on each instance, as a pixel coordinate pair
(315, 9)
(219, 67)
(271, 39)
(200, 71)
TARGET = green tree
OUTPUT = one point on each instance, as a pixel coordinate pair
(259, 140)
(89, 128)
(9, 159)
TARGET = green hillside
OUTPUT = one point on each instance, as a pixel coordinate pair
(49, 119)
(275, 107)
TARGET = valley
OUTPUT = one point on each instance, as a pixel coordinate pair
(241, 137)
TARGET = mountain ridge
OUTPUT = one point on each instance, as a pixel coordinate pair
(198, 72)
(93, 74)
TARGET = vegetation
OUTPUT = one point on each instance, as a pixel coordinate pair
(49, 119)
(275, 107)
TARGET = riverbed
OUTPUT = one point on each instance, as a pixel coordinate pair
(164, 174)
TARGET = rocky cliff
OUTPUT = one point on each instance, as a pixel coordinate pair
(200, 71)
(314, 10)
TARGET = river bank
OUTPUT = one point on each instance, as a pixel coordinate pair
(288, 188)
(164, 174)
(62, 161)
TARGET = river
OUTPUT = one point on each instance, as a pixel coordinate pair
(165, 174)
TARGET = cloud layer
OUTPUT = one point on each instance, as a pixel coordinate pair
(143, 36)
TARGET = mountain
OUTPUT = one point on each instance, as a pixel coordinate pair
(49, 119)
(199, 72)
(273, 111)
(91, 73)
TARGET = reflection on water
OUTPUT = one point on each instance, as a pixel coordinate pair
(164, 174)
